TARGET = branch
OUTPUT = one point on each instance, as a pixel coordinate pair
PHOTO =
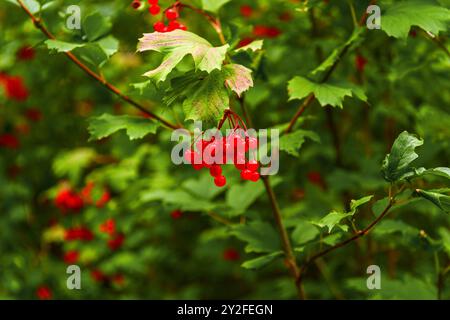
(358, 235)
(325, 78)
(287, 248)
(38, 24)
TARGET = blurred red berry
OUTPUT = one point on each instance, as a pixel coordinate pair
(176, 214)
(71, 257)
(109, 227)
(9, 141)
(315, 177)
(33, 114)
(15, 88)
(136, 4)
(360, 63)
(172, 14)
(118, 279)
(78, 233)
(246, 11)
(98, 276)
(116, 242)
(154, 10)
(231, 255)
(68, 200)
(44, 293)
(159, 26)
(26, 53)
(104, 199)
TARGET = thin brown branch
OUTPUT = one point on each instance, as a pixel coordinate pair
(325, 78)
(39, 25)
(291, 262)
(358, 235)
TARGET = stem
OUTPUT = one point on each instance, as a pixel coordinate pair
(310, 98)
(244, 112)
(215, 22)
(38, 24)
(287, 248)
(349, 240)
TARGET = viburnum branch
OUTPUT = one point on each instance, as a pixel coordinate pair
(287, 247)
(39, 25)
(358, 235)
(215, 22)
(307, 102)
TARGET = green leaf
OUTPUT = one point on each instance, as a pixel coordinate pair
(334, 218)
(213, 5)
(442, 201)
(61, 46)
(207, 98)
(106, 124)
(238, 78)
(73, 162)
(304, 232)
(261, 261)
(96, 26)
(396, 165)
(32, 5)
(293, 141)
(398, 19)
(109, 45)
(92, 53)
(175, 46)
(241, 196)
(253, 46)
(326, 94)
(259, 236)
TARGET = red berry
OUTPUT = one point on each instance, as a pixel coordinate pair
(252, 165)
(198, 166)
(44, 293)
(71, 257)
(246, 11)
(246, 174)
(15, 88)
(231, 254)
(360, 63)
(154, 10)
(151, 2)
(215, 170)
(172, 14)
(25, 53)
(254, 176)
(116, 242)
(159, 26)
(9, 141)
(108, 227)
(173, 25)
(33, 114)
(220, 181)
(182, 27)
(136, 4)
(176, 214)
(98, 276)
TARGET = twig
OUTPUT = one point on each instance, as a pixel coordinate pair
(39, 25)
(287, 248)
(349, 240)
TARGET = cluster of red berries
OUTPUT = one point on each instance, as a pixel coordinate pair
(67, 200)
(116, 239)
(171, 14)
(78, 233)
(217, 151)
